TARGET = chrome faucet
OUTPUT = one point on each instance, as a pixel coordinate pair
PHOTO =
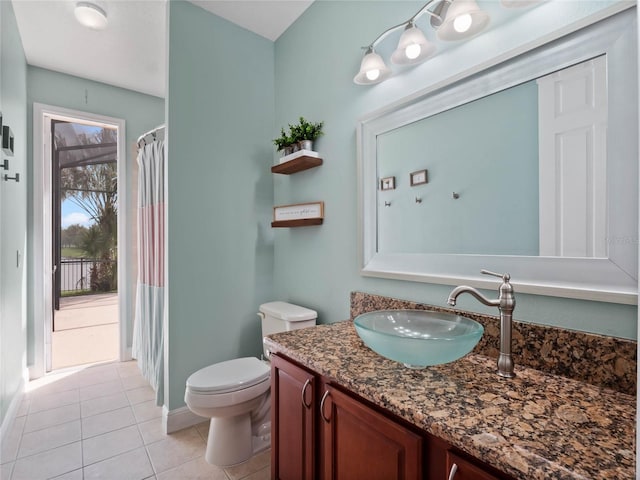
(506, 302)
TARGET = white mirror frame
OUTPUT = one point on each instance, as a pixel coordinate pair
(600, 279)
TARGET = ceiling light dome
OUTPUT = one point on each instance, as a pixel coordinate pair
(518, 3)
(372, 69)
(464, 19)
(413, 47)
(91, 15)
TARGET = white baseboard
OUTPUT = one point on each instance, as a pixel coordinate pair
(179, 418)
(16, 401)
(35, 371)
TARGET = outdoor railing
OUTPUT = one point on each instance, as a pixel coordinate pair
(75, 274)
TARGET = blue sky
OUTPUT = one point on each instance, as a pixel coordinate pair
(74, 215)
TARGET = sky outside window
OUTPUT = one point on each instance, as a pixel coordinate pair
(71, 213)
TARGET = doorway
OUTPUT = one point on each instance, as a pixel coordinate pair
(80, 249)
(84, 243)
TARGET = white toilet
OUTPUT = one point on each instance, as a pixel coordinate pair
(235, 394)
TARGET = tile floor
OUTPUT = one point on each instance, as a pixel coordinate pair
(101, 422)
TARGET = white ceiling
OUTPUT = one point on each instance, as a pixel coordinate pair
(130, 52)
(267, 18)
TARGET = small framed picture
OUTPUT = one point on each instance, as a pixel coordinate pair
(388, 183)
(299, 211)
(7, 140)
(418, 178)
(298, 215)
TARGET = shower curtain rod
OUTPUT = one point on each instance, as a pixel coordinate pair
(150, 132)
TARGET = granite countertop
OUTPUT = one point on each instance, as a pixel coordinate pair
(534, 426)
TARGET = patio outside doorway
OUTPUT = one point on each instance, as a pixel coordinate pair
(86, 330)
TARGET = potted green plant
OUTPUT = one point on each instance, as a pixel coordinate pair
(305, 133)
(284, 143)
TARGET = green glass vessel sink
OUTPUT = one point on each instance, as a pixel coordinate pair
(418, 338)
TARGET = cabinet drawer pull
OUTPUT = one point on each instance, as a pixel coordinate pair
(453, 471)
(304, 391)
(324, 397)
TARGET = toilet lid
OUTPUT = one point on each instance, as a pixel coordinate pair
(228, 376)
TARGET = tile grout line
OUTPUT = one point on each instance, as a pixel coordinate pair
(106, 458)
(54, 424)
(175, 466)
(145, 446)
(48, 449)
(153, 467)
(29, 414)
(51, 426)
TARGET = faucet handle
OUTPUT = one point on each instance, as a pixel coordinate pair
(504, 276)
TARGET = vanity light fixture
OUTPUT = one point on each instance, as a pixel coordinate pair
(453, 20)
(91, 15)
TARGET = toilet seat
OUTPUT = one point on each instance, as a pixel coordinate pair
(228, 376)
(229, 399)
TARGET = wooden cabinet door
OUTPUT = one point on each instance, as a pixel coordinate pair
(359, 443)
(462, 469)
(293, 407)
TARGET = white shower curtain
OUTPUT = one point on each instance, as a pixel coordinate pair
(148, 338)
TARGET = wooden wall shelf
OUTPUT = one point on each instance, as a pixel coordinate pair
(305, 222)
(297, 165)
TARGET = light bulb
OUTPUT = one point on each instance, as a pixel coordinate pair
(373, 74)
(412, 51)
(462, 23)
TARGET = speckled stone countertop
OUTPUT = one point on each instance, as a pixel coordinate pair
(535, 426)
(601, 361)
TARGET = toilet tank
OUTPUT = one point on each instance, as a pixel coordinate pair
(282, 317)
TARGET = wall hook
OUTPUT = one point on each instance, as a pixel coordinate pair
(16, 178)
(387, 204)
(5, 164)
(418, 200)
(456, 195)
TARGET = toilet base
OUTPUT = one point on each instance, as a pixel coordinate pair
(261, 443)
(231, 442)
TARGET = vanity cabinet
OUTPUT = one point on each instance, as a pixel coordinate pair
(333, 435)
(293, 421)
(319, 431)
(359, 442)
(460, 468)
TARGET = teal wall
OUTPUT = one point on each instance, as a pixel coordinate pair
(492, 165)
(13, 213)
(229, 91)
(220, 112)
(318, 266)
(141, 113)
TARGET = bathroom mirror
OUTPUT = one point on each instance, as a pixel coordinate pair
(506, 194)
